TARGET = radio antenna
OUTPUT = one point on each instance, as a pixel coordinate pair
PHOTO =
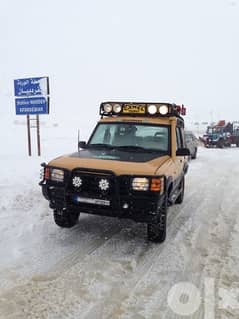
(78, 142)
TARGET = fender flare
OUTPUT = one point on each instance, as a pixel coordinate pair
(169, 184)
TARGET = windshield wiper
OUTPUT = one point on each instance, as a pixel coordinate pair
(127, 148)
(138, 149)
(100, 145)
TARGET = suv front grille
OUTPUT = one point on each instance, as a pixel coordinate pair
(93, 183)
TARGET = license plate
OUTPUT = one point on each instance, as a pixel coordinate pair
(134, 108)
(94, 201)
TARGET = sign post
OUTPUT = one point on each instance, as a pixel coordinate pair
(29, 136)
(32, 98)
(38, 137)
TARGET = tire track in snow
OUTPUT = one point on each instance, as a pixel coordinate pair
(143, 292)
(79, 283)
(109, 230)
(84, 239)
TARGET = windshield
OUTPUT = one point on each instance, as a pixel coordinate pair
(215, 130)
(126, 135)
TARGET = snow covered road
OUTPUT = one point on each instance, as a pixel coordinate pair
(105, 268)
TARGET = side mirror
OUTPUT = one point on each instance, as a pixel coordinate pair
(81, 144)
(183, 152)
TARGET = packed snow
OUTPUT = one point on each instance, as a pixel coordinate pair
(105, 267)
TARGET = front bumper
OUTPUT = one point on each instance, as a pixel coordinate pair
(120, 202)
(211, 143)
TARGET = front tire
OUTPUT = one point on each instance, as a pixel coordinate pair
(157, 231)
(64, 218)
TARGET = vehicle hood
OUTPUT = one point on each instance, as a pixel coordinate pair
(120, 162)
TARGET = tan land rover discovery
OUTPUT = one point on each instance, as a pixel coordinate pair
(132, 166)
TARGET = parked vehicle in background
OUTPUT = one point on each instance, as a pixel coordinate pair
(235, 134)
(221, 135)
(191, 143)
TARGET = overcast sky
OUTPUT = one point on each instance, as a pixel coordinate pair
(183, 51)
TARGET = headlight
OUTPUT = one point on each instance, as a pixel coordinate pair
(57, 175)
(107, 108)
(163, 109)
(117, 108)
(140, 184)
(152, 109)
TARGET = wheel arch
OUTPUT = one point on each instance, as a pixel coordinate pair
(169, 185)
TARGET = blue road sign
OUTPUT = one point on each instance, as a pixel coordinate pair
(32, 105)
(31, 87)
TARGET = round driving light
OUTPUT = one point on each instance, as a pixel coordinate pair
(77, 181)
(152, 109)
(163, 109)
(117, 108)
(104, 184)
(107, 108)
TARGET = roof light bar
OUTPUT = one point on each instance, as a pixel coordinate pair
(141, 109)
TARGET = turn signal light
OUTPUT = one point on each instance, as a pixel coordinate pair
(47, 173)
(157, 185)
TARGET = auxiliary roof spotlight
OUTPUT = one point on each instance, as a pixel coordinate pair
(117, 108)
(163, 109)
(107, 108)
(152, 109)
